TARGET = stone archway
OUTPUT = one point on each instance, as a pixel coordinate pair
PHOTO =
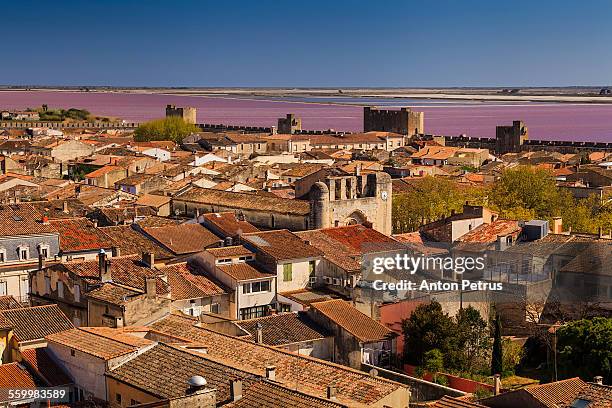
(356, 217)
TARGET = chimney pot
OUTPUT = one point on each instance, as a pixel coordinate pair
(148, 258)
(331, 392)
(598, 380)
(150, 286)
(497, 384)
(236, 390)
(258, 333)
(65, 206)
(271, 373)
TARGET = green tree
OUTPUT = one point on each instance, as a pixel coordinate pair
(526, 190)
(171, 128)
(428, 328)
(585, 348)
(433, 362)
(430, 198)
(497, 357)
(472, 339)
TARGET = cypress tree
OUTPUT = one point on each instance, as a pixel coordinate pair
(497, 355)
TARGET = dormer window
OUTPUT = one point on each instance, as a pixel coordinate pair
(24, 252)
(43, 250)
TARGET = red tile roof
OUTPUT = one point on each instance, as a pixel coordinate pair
(184, 238)
(92, 344)
(15, 375)
(243, 271)
(285, 328)
(227, 224)
(80, 234)
(353, 386)
(488, 233)
(281, 245)
(22, 219)
(44, 365)
(126, 271)
(364, 328)
(33, 323)
(186, 285)
(362, 239)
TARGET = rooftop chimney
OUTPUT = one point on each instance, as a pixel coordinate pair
(148, 258)
(65, 206)
(331, 392)
(45, 219)
(116, 251)
(557, 225)
(271, 373)
(258, 333)
(497, 384)
(598, 380)
(236, 390)
(150, 286)
(104, 267)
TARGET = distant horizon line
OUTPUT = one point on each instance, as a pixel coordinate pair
(26, 86)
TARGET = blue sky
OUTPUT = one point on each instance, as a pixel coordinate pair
(333, 43)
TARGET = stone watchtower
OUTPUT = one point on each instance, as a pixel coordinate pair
(509, 139)
(403, 121)
(187, 113)
(289, 124)
(355, 199)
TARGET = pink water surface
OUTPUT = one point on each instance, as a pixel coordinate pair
(580, 122)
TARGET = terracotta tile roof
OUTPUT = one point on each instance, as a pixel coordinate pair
(186, 285)
(335, 252)
(227, 224)
(362, 239)
(308, 296)
(436, 152)
(118, 334)
(112, 293)
(600, 396)
(595, 259)
(80, 234)
(230, 251)
(15, 375)
(312, 375)
(54, 209)
(285, 328)
(247, 201)
(450, 402)
(131, 242)
(44, 365)
(184, 238)
(153, 200)
(243, 271)
(5, 324)
(302, 170)
(265, 394)
(127, 271)
(92, 344)
(164, 370)
(103, 170)
(33, 323)
(364, 328)
(488, 233)
(22, 219)
(281, 245)
(552, 394)
(9, 302)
